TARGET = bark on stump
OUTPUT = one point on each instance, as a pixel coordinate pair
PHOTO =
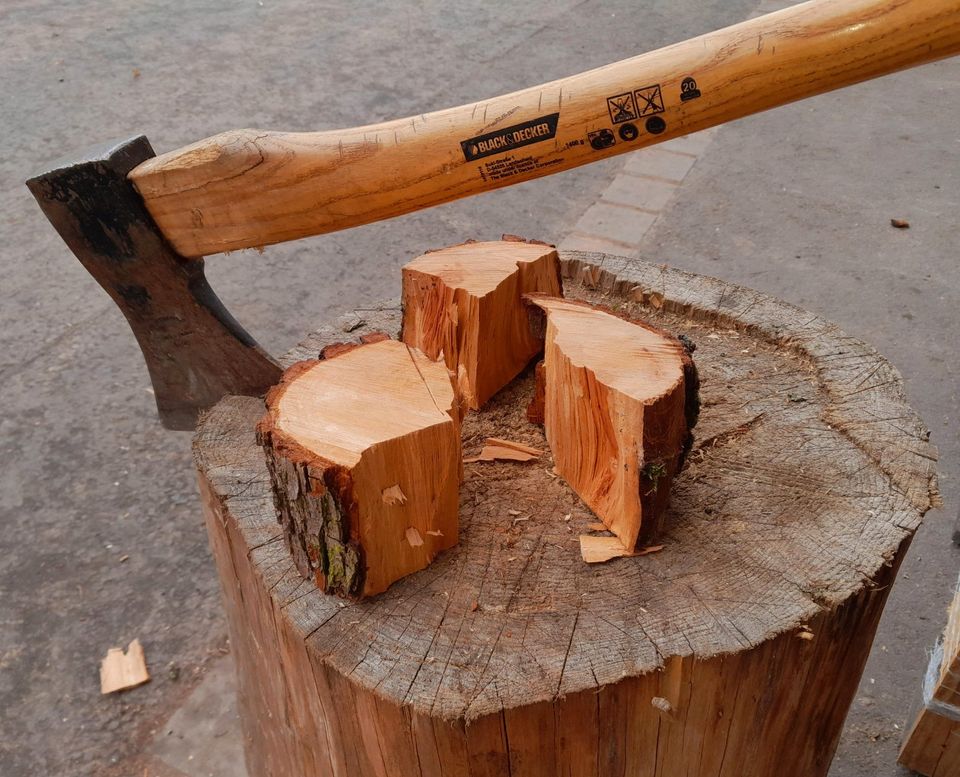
(735, 651)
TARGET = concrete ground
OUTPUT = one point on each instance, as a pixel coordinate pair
(102, 537)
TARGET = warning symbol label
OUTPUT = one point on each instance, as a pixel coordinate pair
(649, 100)
(622, 108)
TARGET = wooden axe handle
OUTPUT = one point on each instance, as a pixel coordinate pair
(249, 188)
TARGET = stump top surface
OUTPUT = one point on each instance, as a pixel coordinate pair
(808, 473)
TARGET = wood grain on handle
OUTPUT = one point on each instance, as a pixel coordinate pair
(249, 188)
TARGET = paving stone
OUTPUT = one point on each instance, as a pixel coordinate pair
(642, 193)
(694, 144)
(659, 163)
(203, 738)
(152, 766)
(615, 222)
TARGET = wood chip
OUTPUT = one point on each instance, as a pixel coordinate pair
(517, 446)
(501, 453)
(899, 223)
(596, 550)
(596, 527)
(649, 549)
(414, 538)
(393, 496)
(121, 669)
(434, 532)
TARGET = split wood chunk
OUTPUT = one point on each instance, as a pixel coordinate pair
(619, 401)
(464, 304)
(932, 745)
(364, 455)
(121, 669)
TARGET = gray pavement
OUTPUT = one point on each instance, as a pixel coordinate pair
(796, 202)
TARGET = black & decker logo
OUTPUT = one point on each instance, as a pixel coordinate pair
(518, 135)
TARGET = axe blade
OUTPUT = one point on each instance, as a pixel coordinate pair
(196, 352)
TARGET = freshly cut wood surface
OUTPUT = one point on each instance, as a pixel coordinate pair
(253, 187)
(364, 453)
(619, 402)
(789, 518)
(464, 304)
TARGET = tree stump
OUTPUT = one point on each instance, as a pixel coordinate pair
(736, 650)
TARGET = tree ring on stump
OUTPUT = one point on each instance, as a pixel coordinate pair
(745, 635)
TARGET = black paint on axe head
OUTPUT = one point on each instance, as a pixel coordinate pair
(195, 350)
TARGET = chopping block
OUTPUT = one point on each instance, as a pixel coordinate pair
(735, 650)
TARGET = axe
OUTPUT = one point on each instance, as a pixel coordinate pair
(142, 223)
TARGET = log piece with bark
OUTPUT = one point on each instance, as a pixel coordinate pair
(464, 304)
(364, 452)
(619, 401)
(735, 650)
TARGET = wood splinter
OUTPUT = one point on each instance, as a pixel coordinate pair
(597, 550)
(496, 449)
(618, 400)
(464, 304)
(363, 449)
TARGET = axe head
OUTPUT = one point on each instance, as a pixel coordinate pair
(195, 351)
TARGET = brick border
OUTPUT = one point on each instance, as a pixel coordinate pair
(644, 187)
(633, 201)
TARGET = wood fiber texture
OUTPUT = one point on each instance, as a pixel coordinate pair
(464, 304)
(735, 651)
